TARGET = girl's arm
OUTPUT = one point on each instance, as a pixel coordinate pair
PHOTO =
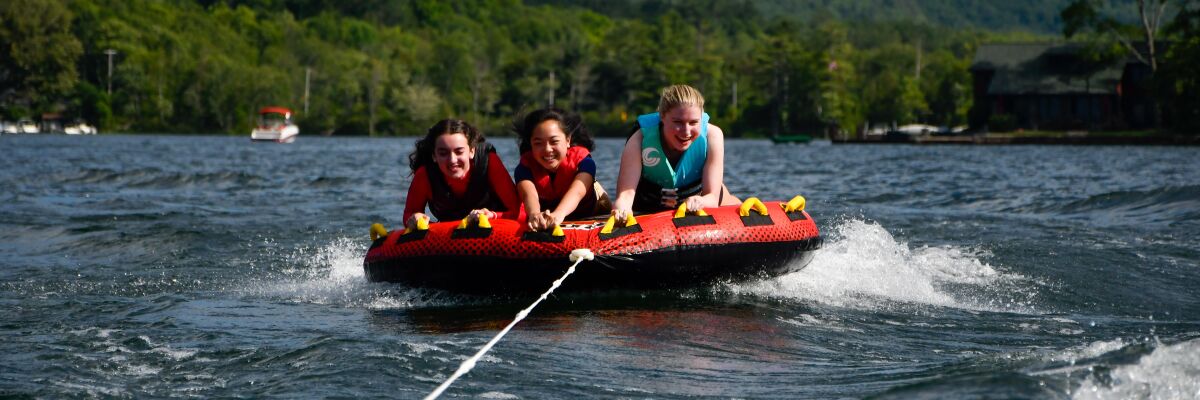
(711, 181)
(529, 198)
(502, 184)
(419, 193)
(627, 179)
(570, 200)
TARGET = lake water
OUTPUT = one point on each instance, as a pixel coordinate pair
(180, 266)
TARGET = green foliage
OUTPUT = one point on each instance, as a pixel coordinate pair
(1136, 26)
(393, 67)
(1179, 82)
(1002, 123)
(1010, 15)
(38, 55)
(1117, 30)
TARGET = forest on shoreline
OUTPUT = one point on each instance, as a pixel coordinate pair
(379, 67)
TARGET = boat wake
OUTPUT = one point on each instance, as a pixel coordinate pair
(1164, 205)
(1167, 372)
(862, 266)
(1142, 368)
(333, 275)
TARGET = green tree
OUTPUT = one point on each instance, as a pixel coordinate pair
(39, 52)
(393, 67)
(837, 103)
(946, 82)
(1091, 16)
(1180, 83)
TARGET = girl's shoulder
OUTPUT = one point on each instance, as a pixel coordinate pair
(587, 165)
(522, 173)
(715, 130)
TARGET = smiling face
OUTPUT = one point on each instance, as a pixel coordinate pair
(549, 144)
(453, 153)
(681, 126)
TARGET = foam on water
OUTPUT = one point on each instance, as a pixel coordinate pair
(333, 275)
(120, 353)
(809, 321)
(863, 266)
(1095, 349)
(328, 275)
(1068, 361)
(92, 390)
(1169, 372)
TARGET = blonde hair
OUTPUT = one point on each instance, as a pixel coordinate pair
(679, 95)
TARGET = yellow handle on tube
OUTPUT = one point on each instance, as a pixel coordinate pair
(422, 225)
(378, 231)
(481, 221)
(753, 202)
(795, 204)
(682, 211)
(612, 220)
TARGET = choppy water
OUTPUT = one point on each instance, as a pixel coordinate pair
(159, 266)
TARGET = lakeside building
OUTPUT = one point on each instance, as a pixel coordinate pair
(1050, 86)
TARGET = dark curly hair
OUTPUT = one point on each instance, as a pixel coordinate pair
(423, 154)
(571, 124)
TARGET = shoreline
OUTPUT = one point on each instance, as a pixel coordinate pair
(1010, 139)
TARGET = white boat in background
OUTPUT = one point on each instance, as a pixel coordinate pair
(916, 129)
(79, 128)
(275, 125)
(27, 126)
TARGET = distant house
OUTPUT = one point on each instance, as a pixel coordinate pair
(1056, 87)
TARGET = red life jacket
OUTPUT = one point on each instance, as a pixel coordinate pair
(567, 168)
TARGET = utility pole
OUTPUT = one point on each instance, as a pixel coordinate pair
(550, 93)
(783, 111)
(373, 97)
(735, 96)
(918, 60)
(307, 75)
(110, 53)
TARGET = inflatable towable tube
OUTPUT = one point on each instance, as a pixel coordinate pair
(661, 250)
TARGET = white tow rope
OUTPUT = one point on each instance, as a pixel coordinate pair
(577, 255)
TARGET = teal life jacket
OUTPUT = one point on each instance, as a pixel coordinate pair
(655, 165)
(662, 185)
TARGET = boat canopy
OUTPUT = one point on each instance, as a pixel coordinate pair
(276, 110)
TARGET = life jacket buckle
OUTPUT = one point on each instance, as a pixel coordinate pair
(670, 197)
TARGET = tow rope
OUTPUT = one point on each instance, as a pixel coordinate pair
(577, 255)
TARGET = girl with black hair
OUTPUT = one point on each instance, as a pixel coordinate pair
(556, 178)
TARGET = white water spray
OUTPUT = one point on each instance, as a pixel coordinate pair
(864, 266)
(1169, 372)
(333, 274)
(577, 255)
